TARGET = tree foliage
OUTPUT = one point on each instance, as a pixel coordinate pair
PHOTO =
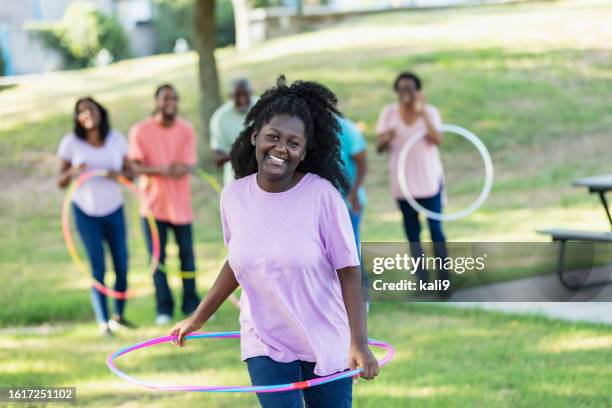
(174, 20)
(82, 33)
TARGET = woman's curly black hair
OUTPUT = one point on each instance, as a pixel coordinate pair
(315, 105)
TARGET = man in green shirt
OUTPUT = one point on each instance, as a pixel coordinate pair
(226, 124)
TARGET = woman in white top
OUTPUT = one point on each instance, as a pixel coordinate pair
(98, 204)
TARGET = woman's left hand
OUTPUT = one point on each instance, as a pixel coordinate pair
(361, 356)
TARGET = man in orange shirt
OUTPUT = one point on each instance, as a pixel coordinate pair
(162, 149)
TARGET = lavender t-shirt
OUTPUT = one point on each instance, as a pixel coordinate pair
(98, 196)
(285, 249)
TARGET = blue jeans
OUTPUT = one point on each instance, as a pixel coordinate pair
(412, 228)
(355, 222)
(94, 231)
(265, 371)
(184, 240)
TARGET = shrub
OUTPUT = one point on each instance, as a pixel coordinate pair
(82, 33)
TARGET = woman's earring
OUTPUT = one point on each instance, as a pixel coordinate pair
(252, 140)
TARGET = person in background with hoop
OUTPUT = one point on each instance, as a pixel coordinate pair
(292, 250)
(163, 149)
(98, 204)
(411, 117)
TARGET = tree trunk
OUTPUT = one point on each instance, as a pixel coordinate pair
(241, 22)
(205, 42)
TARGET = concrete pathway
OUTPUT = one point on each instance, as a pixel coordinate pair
(542, 295)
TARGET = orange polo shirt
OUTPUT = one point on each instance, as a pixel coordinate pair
(154, 145)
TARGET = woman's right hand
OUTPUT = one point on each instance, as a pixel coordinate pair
(76, 171)
(384, 139)
(67, 172)
(224, 285)
(183, 328)
(389, 135)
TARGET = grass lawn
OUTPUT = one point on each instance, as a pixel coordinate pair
(445, 357)
(532, 80)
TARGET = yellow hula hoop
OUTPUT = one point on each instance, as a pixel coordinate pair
(221, 258)
(209, 179)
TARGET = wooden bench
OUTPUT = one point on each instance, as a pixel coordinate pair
(564, 235)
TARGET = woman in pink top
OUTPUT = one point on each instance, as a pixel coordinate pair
(291, 248)
(410, 117)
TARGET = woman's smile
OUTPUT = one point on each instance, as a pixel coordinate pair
(275, 160)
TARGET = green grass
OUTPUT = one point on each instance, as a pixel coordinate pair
(445, 357)
(532, 80)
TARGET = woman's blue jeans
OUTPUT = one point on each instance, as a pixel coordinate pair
(265, 371)
(94, 231)
(412, 228)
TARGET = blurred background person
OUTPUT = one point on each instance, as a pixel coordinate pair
(227, 122)
(163, 148)
(353, 154)
(408, 118)
(97, 205)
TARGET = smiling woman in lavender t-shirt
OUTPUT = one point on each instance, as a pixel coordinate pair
(292, 250)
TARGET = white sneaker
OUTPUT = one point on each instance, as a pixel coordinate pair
(163, 319)
(104, 330)
(113, 325)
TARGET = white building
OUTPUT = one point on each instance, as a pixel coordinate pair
(23, 54)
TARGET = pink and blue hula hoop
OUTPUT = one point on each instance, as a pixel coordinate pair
(110, 361)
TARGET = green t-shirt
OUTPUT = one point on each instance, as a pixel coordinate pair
(225, 125)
